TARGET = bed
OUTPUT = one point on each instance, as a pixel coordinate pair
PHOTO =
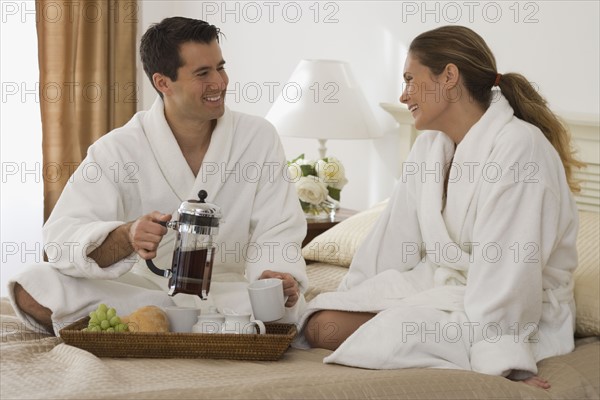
(33, 365)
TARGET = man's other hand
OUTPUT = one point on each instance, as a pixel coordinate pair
(290, 286)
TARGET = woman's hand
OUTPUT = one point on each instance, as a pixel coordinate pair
(290, 286)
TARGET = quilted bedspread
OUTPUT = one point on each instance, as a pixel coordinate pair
(35, 366)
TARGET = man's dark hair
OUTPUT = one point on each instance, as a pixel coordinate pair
(159, 47)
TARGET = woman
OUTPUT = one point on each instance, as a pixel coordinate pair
(470, 265)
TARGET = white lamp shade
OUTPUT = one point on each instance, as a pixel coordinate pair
(323, 100)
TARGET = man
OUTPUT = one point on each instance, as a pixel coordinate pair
(186, 142)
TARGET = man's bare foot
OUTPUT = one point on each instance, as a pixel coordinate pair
(537, 382)
(42, 315)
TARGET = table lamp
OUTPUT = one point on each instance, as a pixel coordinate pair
(322, 100)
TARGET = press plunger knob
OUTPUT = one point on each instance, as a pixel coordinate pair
(202, 196)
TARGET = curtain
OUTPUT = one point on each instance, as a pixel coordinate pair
(87, 61)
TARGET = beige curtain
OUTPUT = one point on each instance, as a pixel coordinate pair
(87, 60)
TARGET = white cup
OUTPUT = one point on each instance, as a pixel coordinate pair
(211, 322)
(267, 300)
(181, 319)
(242, 324)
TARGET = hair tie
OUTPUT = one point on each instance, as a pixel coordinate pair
(497, 81)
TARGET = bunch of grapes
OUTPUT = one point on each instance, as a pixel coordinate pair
(105, 319)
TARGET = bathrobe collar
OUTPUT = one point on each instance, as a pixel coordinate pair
(473, 150)
(171, 161)
(472, 154)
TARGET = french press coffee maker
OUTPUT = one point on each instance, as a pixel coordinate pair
(194, 251)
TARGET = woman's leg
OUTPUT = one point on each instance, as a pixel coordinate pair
(327, 329)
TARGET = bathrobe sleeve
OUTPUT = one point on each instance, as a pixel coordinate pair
(513, 236)
(277, 223)
(395, 240)
(89, 208)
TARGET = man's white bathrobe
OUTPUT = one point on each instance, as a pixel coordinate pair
(139, 168)
(481, 280)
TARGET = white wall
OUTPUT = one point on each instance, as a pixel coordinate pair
(559, 52)
(553, 43)
(21, 215)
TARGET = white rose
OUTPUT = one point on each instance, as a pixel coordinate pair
(311, 189)
(304, 161)
(295, 168)
(332, 172)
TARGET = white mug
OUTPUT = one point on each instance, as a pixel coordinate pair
(241, 323)
(181, 319)
(267, 300)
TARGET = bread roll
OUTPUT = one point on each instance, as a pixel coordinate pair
(147, 319)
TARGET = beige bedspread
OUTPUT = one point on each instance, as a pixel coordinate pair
(38, 366)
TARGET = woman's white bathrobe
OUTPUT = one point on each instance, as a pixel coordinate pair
(483, 282)
(139, 168)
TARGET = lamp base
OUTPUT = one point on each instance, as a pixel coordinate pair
(322, 148)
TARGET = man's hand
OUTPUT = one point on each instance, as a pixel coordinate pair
(146, 233)
(290, 286)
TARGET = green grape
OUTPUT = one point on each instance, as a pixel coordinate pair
(110, 313)
(101, 315)
(105, 319)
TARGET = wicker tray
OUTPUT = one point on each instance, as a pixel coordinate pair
(268, 347)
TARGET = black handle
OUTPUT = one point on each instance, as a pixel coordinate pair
(161, 272)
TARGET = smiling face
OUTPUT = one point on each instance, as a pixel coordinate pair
(198, 94)
(425, 95)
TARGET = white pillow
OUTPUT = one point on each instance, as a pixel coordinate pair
(337, 245)
(587, 277)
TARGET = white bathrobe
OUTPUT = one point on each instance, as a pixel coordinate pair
(481, 280)
(139, 168)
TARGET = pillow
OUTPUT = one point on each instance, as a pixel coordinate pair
(337, 245)
(587, 279)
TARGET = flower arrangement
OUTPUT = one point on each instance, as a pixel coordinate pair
(318, 184)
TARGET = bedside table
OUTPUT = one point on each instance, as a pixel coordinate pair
(316, 227)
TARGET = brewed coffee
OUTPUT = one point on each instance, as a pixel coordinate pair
(192, 272)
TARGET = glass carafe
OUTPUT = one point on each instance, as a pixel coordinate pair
(194, 252)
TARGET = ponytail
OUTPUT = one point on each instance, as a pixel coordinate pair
(531, 107)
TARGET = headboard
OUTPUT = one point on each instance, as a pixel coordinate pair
(585, 132)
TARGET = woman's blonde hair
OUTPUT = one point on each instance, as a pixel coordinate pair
(468, 51)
